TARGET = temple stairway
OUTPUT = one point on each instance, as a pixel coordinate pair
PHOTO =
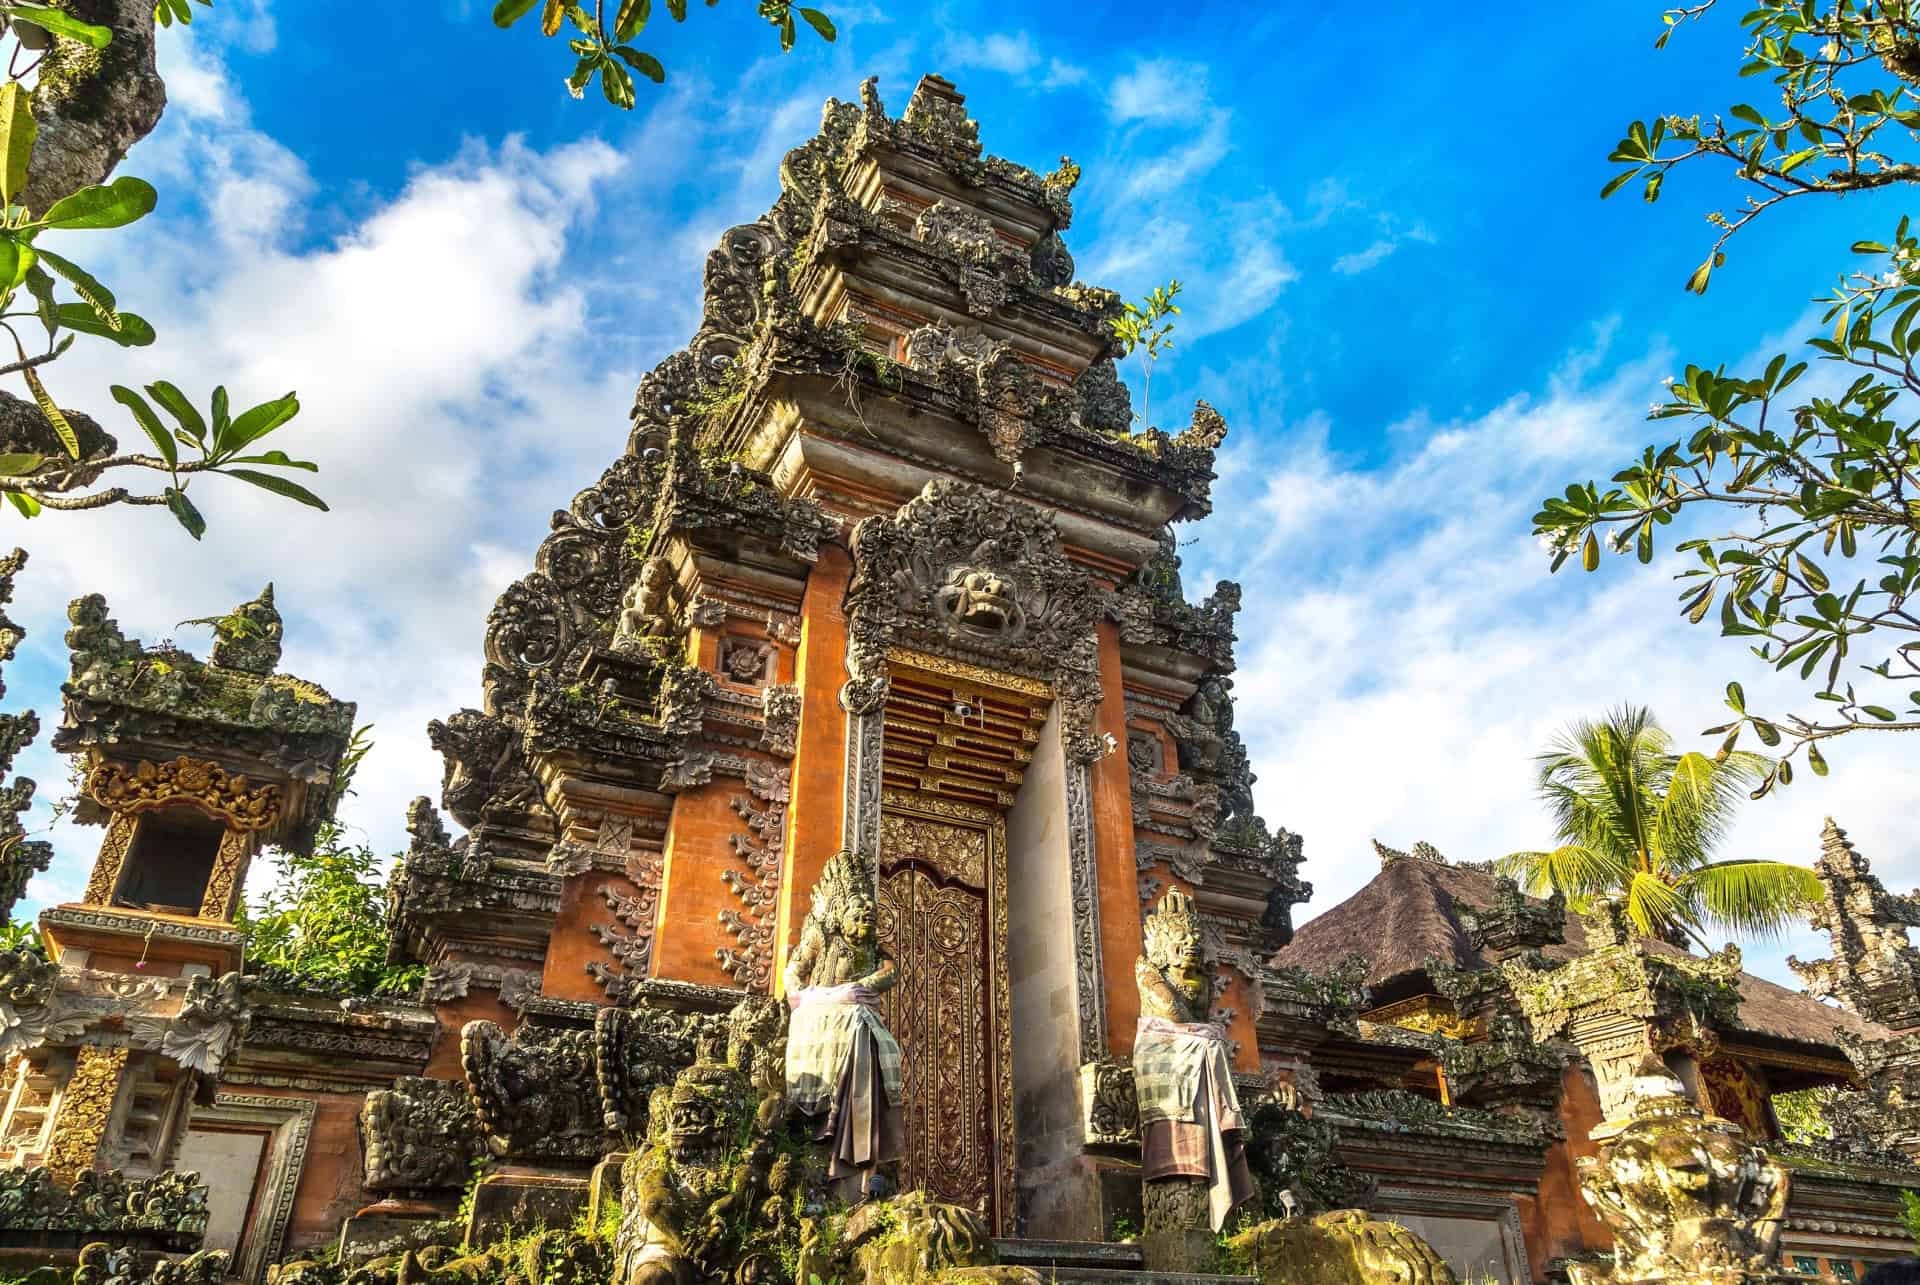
(1066, 1262)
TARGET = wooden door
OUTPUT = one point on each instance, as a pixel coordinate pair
(934, 922)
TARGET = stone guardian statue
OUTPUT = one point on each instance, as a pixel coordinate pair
(843, 1065)
(1193, 1136)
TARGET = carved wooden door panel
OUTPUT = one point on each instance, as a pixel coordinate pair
(940, 1012)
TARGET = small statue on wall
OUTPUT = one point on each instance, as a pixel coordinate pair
(1193, 1136)
(842, 1063)
(646, 610)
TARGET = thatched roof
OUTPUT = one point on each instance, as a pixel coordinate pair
(1408, 913)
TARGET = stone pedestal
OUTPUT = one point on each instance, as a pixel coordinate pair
(603, 1190)
(387, 1225)
(1178, 1234)
(508, 1203)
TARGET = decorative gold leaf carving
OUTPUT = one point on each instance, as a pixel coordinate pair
(81, 1123)
(205, 784)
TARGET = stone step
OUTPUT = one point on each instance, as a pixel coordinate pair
(1123, 1276)
(1068, 1262)
(1067, 1253)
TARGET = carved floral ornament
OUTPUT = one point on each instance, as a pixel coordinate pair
(963, 570)
(206, 785)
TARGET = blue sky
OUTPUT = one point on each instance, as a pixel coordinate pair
(1401, 289)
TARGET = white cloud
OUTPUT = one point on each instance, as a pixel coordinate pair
(1404, 652)
(1185, 160)
(1159, 91)
(1359, 261)
(1061, 74)
(1012, 55)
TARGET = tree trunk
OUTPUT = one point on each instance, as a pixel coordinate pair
(93, 104)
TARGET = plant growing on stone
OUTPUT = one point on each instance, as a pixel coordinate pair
(1638, 822)
(323, 924)
(98, 93)
(1147, 328)
(604, 45)
(1819, 481)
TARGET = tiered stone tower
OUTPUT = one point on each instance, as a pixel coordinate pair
(887, 565)
(191, 766)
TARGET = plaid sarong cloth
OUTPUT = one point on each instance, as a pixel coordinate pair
(1190, 1119)
(821, 1041)
(1168, 1058)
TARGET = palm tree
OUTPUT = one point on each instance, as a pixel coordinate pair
(1638, 822)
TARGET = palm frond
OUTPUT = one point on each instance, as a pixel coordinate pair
(1654, 906)
(1759, 898)
(1573, 869)
(1700, 799)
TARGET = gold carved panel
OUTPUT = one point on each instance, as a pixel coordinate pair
(943, 918)
(959, 853)
(113, 855)
(232, 799)
(223, 885)
(80, 1122)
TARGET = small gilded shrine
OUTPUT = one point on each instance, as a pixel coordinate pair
(854, 797)
(189, 767)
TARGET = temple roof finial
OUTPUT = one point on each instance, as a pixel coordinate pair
(248, 638)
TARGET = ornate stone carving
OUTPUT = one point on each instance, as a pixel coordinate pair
(1105, 403)
(747, 661)
(1109, 1111)
(1687, 1198)
(420, 1135)
(1514, 922)
(248, 638)
(168, 1210)
(445, 981)
(630, 939)
(1341, 1247)
(571, 601)
(972, 572)
(200, 782)
(780, 708)
(214, 1017)
(1621, 1001)
(646, 609)
(1296, 1161)
(535, 1094)
(21, 858)
(637, 1051)
(764, 810)
(1874, 970)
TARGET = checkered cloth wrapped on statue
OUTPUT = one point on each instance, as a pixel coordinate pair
(825, 1042)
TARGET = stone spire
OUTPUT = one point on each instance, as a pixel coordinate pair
(1874, 971)
(248, 639)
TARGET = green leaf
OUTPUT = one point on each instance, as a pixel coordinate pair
(85, 285)
(508, 12)
(1697, 283)
(552, 14)
(28, 506)
(616, 84)
(61, 428)
(110, 205)
(279, 486)
(63, 24)
(820, 23)
(180, 408)
(1816, 760)
(149, 423)
(16, 260)
(1590, 553)
(1618, 181)
(182, 508)
(678, 8)
(40, 284)
(1737, 698)
(1880, 712)
(644, 63)
(17, 130)
(278, 459)
(15, 464)
(258, 421)
(631, 19)
(134, 332)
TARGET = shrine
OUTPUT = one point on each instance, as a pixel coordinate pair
(851, 753)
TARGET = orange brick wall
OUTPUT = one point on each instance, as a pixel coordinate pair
(689, 934)
(820, 764)
(1120, 937)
